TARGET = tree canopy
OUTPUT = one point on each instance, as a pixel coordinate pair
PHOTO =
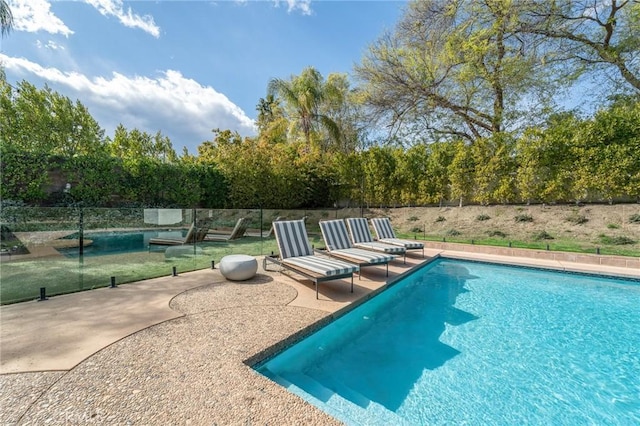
(454, 70)
(593, 36)
(317, 110)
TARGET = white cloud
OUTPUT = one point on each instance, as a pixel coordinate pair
(180, 107)
(35, 15)
(52, 45)
(126, 18)
(304, 6)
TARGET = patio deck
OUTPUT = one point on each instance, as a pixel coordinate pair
(172, 350)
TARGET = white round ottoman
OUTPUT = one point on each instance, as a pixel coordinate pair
(238, 267)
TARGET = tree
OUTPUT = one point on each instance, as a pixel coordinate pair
(440, 156)
(591, 34)
(41, 120)
(455, 70)
(494, 177)
(272, 123)
(461, 173)
(6, 18)
(135, 145)
(342, 106)
(303, 98)
(607, 152)
(546, 161)
(379, 165)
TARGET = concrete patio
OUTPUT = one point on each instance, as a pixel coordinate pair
(174, 350)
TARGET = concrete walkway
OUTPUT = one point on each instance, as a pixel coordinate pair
(172, 350)
(58, 333)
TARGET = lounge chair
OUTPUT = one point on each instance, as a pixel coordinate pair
(361, 238)
(262, 234)
(338, 244)
(195, 234)
(237, 232)
(385, 234)
(296, 255)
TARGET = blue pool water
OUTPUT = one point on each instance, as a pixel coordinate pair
(103, 243)
(471, 343)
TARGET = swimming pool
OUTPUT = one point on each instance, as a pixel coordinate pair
(103, 243)
(462, 342)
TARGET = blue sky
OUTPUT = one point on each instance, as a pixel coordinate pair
(184, 67)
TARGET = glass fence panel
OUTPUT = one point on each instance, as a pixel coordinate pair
(69, 249)
(129, 244)
(31, 240)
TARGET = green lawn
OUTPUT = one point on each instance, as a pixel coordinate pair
(554, 245)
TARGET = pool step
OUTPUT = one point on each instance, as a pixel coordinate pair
(309, 385)
(343, 390)
(360, 410)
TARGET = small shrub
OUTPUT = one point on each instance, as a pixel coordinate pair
(441, 219)
(542, 235)
(453, 232)
(613, 226)
(496, 234)
(577, 219)
(413, 218)
(634, 218)
(416, 230)
(616, 241)
(483, 217)
(523, 218)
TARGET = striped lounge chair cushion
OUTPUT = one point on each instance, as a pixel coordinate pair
(291, 236)
(359, 230)
(321, 265)
(408, 244)
(363, 256)
(335, 235)
(382, 226)
(382, 247)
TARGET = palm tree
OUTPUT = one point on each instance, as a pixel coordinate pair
(6, 18)
(304, 96)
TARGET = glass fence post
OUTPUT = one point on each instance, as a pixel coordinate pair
(261, 235)
(81, 249)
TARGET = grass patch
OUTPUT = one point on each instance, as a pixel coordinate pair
(521, 218)
(634, 218)
(496, 234)
(619, 240)
(542, 235)
(483, 217)
(577, 219)
(413, 219)
(417, 230)
(564, 245)
(613, 226)
(453, 233)
(440, 219)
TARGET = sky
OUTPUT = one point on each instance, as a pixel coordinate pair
(184, 67)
